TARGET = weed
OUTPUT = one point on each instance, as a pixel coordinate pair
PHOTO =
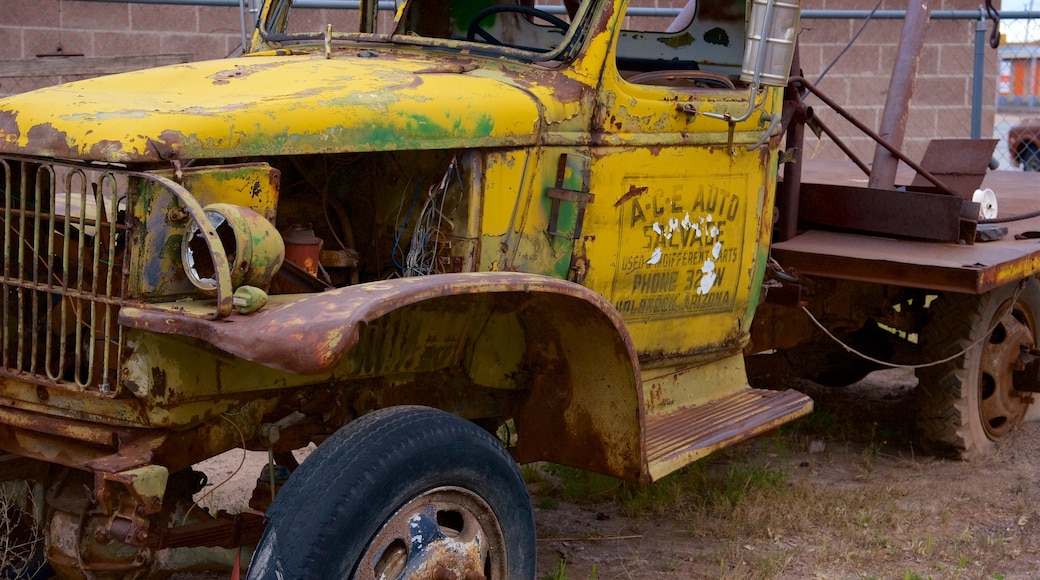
(816, 423)
(962, 561)
(875, 442)
(679, 494)
(997, 543)
(743, 479)
(926, 549)
(20, 541)
(535, 477)
(821, 424)
(570, 484)
(559, 573)
(531, 473)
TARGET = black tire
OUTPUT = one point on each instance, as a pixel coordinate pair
(397, 492)
(966, 405)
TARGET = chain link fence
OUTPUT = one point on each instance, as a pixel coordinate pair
(964, 87)
(12, 85)
(23, 75)
(1017, 121)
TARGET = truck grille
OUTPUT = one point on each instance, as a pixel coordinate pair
(64, 237)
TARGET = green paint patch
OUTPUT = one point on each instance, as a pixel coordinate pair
(679, 41)
(464, 11)
(485, 124)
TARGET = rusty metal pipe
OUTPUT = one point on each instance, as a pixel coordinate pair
(787, 201)
(841, 145)
(870, 133)
(900, 90)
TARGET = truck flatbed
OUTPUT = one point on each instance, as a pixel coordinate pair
(972, 269)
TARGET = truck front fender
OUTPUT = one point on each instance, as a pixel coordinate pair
(563, 345)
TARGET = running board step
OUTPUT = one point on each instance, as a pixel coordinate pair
(678, 438)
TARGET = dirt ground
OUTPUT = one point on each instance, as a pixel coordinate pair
(841, 494)
(851, 500)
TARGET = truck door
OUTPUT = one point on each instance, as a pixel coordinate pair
(681, 218)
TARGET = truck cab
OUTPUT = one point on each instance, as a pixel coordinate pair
(434, 241)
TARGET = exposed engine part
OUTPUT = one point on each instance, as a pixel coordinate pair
(429, 236)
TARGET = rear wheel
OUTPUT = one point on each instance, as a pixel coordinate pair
(969, 403)
(406, 492)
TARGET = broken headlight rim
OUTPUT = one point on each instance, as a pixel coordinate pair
(253, 247)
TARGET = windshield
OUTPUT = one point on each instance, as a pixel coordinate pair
(547, 31)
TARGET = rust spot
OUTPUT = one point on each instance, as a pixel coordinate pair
(765, 153)
(106, 149)
(275, 179)
(158, 383)
(167, 147)
(564, 89)
(448, 68)
(632, 192)
(45, 138)
(225, 76)
(9, 127)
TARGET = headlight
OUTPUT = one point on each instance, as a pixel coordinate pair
(253, 247)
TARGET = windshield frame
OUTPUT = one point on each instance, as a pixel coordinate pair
(276, 13)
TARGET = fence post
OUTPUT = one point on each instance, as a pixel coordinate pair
(978, 76)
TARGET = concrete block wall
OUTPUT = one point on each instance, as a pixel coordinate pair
(30, 28)
(942, 98)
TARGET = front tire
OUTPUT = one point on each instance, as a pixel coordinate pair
(966, 405)
(401, 492)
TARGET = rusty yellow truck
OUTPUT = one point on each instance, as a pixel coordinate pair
(435, 242)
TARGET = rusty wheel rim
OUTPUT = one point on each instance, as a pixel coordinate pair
(1001, 407)
(447, 533)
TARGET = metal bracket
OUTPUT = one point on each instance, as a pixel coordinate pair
(559, 193)
(223, 531)
(1025, 374)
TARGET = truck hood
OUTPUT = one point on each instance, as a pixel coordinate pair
(272, 105)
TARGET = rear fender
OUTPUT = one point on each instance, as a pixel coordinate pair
(560, 343)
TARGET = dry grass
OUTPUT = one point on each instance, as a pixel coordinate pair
(863, 505)
(20, 542)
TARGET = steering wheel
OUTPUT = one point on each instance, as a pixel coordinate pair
(475, 30)
(682, 79)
